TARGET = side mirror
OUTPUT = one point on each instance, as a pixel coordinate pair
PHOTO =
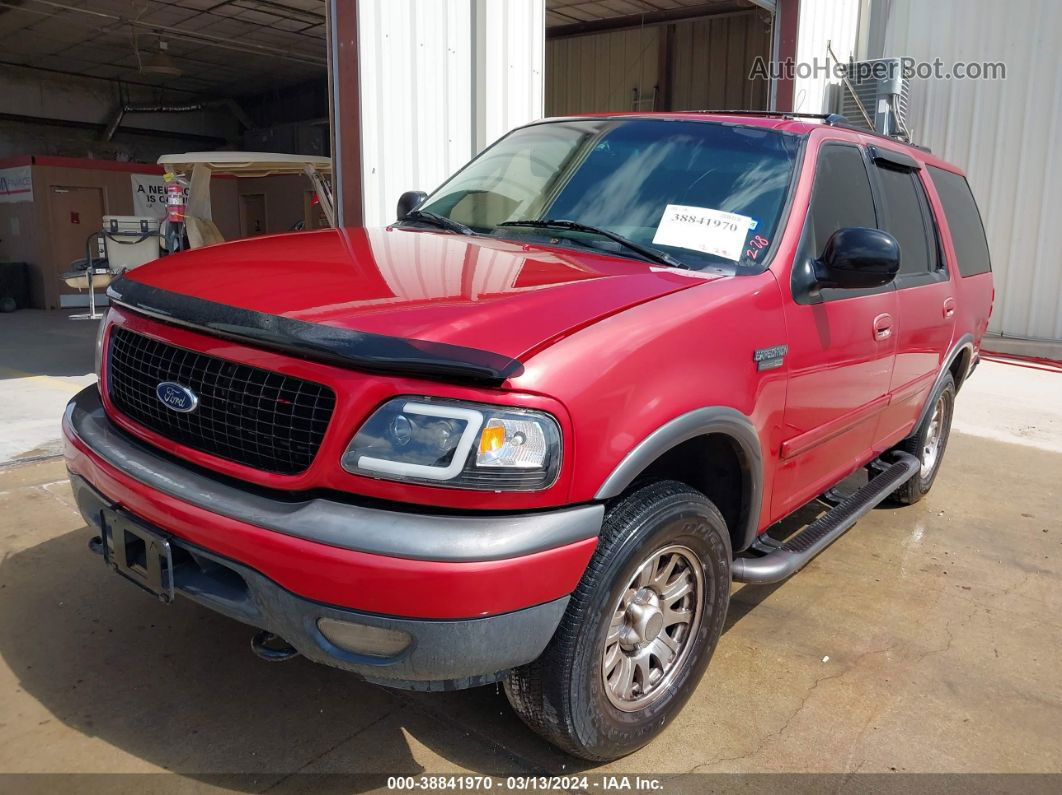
(409, 201)
(856, 257)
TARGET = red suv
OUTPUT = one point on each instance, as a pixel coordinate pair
(533, 430)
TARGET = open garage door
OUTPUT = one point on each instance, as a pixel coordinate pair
(93, 93)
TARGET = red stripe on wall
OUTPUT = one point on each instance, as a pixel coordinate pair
(80, 162)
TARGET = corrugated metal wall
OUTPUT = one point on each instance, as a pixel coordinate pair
(602, 72)
(620, 70)
(439, 80)
(1004, 133)
(510, 49)
(822, 21)
(416, 102)
(712, 61)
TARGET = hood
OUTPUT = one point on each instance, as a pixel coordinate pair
(506, 298)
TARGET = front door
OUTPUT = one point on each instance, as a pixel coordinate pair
(841, 345)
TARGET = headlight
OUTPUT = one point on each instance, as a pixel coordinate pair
(457, 444)
(99, 344)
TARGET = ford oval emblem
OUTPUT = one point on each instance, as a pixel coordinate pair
(177, 396)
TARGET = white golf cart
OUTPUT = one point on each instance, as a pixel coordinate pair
(126, 241)
(196, 169)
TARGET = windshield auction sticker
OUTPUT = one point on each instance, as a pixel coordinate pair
(702, 229)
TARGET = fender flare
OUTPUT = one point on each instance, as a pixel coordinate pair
(965, 342)
(700, 422)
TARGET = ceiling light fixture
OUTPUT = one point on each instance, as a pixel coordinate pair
(161, 63)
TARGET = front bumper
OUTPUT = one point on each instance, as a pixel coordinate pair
(477, 595)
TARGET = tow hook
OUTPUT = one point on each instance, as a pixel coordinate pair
(272, 648)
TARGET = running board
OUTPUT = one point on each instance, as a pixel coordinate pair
(781, 560)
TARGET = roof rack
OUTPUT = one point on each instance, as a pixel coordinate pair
(832, 119)
(828, 118)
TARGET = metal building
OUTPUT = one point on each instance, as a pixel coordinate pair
(435, 82)
(419, 87)
(1003, 132)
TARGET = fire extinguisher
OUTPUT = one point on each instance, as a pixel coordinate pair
(174, 212)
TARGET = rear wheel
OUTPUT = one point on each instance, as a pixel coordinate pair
(928, 444)
(639, 629)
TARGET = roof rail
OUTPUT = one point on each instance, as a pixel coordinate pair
(828, 118)
(832, 119)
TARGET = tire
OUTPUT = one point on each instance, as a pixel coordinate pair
(563, 695)
(937, 425)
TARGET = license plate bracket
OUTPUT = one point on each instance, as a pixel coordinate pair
(138, 553)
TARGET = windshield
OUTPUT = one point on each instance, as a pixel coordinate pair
(707, 193)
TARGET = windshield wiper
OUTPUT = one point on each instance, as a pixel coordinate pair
(441, 221)
(650, 253)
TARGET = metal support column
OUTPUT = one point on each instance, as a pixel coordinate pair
(345, 111)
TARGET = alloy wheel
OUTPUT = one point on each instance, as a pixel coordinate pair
(652, 628)
(931, 448)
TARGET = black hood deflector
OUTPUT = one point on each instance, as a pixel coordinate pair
(356, 350)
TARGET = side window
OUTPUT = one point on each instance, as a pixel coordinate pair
(841, 196)
(964, 221)
(906, 220)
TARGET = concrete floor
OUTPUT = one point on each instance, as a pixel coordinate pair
(45, 357)
(925, 640)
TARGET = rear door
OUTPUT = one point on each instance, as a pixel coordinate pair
(841, 344)
(925, 319)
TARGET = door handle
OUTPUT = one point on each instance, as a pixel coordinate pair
(882, 327)
(949, 308)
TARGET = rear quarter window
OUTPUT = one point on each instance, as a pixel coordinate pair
(964, 221)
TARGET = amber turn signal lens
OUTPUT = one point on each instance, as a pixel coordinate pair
(492, 439)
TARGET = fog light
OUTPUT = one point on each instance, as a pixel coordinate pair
(363, 639)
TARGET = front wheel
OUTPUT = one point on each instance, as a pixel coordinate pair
(639, 630)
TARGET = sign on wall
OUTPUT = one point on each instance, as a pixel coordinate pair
(16, 185)
(149, 195)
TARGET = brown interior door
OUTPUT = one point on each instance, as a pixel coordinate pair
(252, 214)
(75, 213)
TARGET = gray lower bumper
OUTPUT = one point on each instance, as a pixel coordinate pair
(395, 534)
(441, 655)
